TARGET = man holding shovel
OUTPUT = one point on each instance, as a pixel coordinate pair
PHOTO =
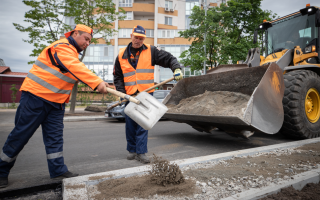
(45, 91)
(133, 73)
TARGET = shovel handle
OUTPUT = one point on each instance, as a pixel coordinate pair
(150, 88)
(159, 84)
(123, 95)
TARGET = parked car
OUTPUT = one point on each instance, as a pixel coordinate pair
(118, 111)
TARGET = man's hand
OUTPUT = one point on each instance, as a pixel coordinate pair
(102, 87)
(178, 75)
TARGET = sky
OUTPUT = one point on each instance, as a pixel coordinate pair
(15, 52)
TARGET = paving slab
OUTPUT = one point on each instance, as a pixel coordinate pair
(79, 187)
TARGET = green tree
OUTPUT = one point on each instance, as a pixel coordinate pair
(13, 94)
(229, 31)
(240, 19)
(201, 24)
(46, 24)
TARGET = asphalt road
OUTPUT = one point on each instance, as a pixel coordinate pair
(99, 146)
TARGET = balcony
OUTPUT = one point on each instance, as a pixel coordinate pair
(131, 23)
(140, 7)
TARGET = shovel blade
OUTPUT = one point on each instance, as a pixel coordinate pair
(148, 112)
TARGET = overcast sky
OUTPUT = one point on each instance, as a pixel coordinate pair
(15, 52)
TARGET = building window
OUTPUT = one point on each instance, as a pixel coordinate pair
(169, 4)
(125, 3)
(128, 15)
(223, 1)
(125, 33)
(168, 33)
(70, 22)
(106, 51)
(168, 20)
(150, 33)
(190, 5)
(213, 1)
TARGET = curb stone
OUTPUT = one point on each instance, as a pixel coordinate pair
(299, 181)
(82, 182)
(84, 118)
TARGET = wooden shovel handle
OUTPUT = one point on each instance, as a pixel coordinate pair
(151, 88)
(159, 84)
(123, 95)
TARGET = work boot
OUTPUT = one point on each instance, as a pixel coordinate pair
(3, 182)
(143, 158)
(66, 175)
(131, 155)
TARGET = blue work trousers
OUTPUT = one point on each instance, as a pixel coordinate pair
(137, 137)
(31, 113)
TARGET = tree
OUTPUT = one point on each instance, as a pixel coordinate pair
(240, 19)
(47, 16)
(13, 94)
(46, 19)
(229, 31)
(200, 24)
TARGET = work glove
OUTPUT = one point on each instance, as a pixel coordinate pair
(178, 74)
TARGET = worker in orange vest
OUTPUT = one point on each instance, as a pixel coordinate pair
(134, 72)
(45, 91)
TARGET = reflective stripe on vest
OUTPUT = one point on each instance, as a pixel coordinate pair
(54, 72)
(145, 70)
(129, 74)
(47, 85)
(145, 81)
(6, 158)
(55, 155)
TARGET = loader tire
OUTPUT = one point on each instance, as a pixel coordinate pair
(298, 123)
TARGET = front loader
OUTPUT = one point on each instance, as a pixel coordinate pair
(283, 86)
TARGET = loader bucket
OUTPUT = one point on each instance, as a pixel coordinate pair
(263, 86)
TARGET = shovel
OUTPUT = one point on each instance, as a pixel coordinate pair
(151, 88)
(144, 109)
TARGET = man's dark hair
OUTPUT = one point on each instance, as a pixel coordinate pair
(80, 32)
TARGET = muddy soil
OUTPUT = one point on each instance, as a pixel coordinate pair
(310, 192)
(217, 103)
(216, 180)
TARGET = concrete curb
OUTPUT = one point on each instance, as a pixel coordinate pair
(84, 118)
(299, 181)
(77, 187)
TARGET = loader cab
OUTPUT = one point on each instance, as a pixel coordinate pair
(298, 29)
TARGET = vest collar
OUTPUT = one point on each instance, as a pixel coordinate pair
(74, 43)
(126, 52)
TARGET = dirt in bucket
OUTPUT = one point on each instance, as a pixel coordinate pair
(217, 103)
(163, 179)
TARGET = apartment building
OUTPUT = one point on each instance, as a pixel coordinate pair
(162, 19)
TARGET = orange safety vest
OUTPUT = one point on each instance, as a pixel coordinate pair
(48, 82)
(140, 78)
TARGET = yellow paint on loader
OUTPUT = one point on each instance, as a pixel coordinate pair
(312, 105)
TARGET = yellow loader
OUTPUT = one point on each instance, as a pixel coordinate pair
(283, 87)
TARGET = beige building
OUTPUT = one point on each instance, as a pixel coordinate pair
(162, 19)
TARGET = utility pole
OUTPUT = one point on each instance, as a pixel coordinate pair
(204, 38)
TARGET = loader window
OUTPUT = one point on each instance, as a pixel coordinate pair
(291, 31)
